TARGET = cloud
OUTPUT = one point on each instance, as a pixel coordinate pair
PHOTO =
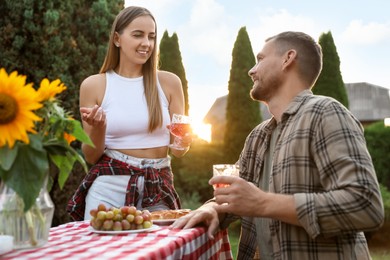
(154, 6)
(207, 95)
(208, 31)
(157, 8)
(272, 22)
(366, 34)
(282, 20)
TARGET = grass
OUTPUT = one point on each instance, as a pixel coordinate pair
(233, 238)
(381, 252)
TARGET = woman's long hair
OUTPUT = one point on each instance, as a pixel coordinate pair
(149, 69)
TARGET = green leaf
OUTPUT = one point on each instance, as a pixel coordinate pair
(27, 175)
(80, 134)
(65, 166)
(81, 160)
(7, 156)
(56, 146)
(64, 157)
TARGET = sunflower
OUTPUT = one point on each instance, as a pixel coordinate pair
(48, 90)
(69, 138)
(18, 100)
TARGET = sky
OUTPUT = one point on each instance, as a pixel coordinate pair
(207, 30)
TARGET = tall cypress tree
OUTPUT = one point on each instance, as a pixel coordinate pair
(330, 82)
(170, 60)
(242, 113)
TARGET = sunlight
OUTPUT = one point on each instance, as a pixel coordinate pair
(387, 121)
(199, 107)
(202, 130)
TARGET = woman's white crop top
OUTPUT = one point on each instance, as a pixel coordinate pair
(127, 114)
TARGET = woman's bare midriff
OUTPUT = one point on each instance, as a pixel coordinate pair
(151, 153)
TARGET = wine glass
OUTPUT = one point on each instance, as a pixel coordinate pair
(180, 126)
(226, 170)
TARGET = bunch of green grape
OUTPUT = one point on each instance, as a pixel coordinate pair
(118, 219)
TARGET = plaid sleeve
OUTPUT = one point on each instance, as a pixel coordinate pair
(350, 200)
(105, 166)
(159, 186)
(76, 204)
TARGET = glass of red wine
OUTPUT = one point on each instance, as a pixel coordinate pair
(226, 170)
(180, 126)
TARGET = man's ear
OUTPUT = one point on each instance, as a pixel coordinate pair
(289, 57)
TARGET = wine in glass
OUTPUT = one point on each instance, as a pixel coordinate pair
(226, 170)
(180, 126)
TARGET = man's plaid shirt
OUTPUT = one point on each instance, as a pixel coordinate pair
(321, 159)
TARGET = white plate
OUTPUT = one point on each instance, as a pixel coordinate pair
(163, 222)
(112, 232)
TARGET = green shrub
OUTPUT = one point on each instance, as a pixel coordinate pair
(193, 171)
(189, 201)
(386, 201)
(378, 144)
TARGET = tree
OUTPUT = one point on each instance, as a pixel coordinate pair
(57, 39)
(54, 39)
(330, 82)
(378, 143)
(170, 60)
(242, 113)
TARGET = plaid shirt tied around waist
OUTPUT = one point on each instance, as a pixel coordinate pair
(158, 186)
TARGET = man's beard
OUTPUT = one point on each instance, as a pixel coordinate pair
(264, 90)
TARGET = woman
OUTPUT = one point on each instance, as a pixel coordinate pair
(126, 110)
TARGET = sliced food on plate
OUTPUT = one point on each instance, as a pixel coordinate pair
(167, 217)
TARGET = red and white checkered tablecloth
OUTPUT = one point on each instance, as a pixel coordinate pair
(74, 241)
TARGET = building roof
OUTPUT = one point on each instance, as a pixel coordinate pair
(217, 112)
(367, 102)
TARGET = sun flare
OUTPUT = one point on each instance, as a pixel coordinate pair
(202, 130)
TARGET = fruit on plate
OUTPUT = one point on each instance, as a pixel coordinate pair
(118, 219)
(169, 214)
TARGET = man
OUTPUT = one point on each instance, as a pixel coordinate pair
(307, 186)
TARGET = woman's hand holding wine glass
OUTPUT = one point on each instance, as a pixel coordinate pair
(180, 128)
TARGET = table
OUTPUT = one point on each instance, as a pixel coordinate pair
(74, 240)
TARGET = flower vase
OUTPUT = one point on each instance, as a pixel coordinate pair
(31, 228)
